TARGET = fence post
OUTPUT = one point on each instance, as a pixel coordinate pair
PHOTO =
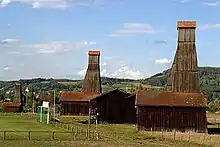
(162, 134)
(189, 137)
(174, 134)
(151, 129)
(53, 133)
(75, 134)
(4, 135)
(203, 141)
(29, 135)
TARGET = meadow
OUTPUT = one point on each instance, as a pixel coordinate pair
(19, 127)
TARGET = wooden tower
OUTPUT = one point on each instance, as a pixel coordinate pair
(92, 80)
(18, 92)
(184, 76)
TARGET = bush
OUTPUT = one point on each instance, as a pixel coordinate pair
(1, 109)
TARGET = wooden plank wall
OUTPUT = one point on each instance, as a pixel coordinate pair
(75, 108)
(184, 73)
(92, 80)
(115, 108)
(170, 118)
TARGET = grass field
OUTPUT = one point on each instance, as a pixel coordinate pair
(110, 135)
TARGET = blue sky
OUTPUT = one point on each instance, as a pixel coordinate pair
(137, 38)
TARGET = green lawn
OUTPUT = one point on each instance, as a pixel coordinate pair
(110, 135)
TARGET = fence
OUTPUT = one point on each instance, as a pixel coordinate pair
(48, 135)
(192, 137)
(68, 131)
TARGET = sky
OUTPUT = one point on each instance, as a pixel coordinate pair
(136, 38)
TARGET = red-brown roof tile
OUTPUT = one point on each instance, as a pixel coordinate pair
(77, 96)
(95, 53)
(10, 104)
(186, 24)
(150, 98)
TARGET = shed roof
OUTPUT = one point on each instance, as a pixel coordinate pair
(181, 99)
(109, 92)
(10, 104)
(77, 96)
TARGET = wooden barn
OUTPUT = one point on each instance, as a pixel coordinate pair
(166, 111)
(11, 107)
(76, 103)
(18, 104)
(115, 107)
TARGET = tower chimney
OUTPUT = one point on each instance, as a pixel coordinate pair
(18, 92)
(92, 80)
(184, 76)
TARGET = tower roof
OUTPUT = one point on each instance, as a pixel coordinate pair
(186, 24)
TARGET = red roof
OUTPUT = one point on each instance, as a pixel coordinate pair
(95, 53)
(150, 98)
(10, 104)
(77, 96)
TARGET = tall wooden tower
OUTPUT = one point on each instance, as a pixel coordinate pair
(92, 80)
(18, 92)
(184, 76)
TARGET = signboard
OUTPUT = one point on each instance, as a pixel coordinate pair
(45, 104)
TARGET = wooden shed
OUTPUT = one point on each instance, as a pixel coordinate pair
(75, 103)
(115, 107)
(11, 107)
(171, 110)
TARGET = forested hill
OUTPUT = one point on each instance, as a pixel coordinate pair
(42, 84)
(209, 78)
(209, 81)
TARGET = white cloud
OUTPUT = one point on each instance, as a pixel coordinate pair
(55, 4)
(104, 64)
(57, 46)
(209, 26)
(58, 4)
(163, 61)
(82, 72)
(160, 42)
(124, 72)
(9, 41)
(111, 57)
(184, 1)
(212, 3)
(7, 68)
(130, 29)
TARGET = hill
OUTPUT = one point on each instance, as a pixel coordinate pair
(209, 81)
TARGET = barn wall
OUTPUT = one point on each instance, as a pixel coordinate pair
(75, 108)
(170, 118)
(11, 109)
(115, 108)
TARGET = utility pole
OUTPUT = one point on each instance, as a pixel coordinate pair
(54, 98)
(33, 95)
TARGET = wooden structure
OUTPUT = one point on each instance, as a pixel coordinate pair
(18, 105)
(92, 80)
(11, 107)
(183, 108)
(76, 103)
(166, 111)
(184, 76)
(115, 107)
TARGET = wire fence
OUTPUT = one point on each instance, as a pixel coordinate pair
(191, 137)
(48, 135)
(70, 132)
(73, 132)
